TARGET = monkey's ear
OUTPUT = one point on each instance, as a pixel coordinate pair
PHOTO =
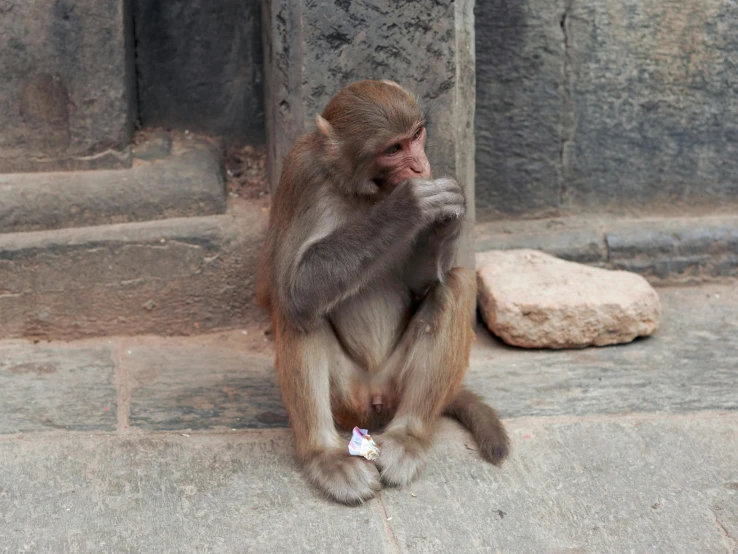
(329, 136)
(324, 127)
(392, 83)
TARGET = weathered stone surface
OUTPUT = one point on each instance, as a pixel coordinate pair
(50, 387)
(520, 107)
(174, 276)
(67, 85)
(534, 300)
(689, 366)
(196, 386)
(189, 182)
(653, 92)
(200, 66)
(235, 493)
(313, 50)
(577, 486)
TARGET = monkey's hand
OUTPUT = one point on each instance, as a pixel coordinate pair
(439, 200)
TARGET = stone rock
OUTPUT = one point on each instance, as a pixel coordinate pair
(534, 300)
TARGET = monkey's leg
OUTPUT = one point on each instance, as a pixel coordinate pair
(430, 362)
(305, 362)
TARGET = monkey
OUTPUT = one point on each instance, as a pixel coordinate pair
(372, 322)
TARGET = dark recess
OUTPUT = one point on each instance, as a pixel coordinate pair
(200, 67)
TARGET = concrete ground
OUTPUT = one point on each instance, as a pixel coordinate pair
(180, 445)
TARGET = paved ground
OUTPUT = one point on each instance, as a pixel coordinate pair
(179, 445)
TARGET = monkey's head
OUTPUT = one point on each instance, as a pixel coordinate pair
(374, 135)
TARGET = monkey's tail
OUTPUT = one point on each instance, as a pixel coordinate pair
(483, 423)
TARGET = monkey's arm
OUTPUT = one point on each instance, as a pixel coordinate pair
(340, 263)
(433, 255)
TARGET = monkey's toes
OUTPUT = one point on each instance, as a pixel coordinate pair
(400, 460)
(348, 479)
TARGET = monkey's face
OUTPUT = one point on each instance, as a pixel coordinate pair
(402, 158)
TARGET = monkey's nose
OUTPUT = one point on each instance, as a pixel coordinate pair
(417, 166)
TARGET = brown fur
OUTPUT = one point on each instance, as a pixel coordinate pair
(372, 324)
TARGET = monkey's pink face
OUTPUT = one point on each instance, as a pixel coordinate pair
(404, 158)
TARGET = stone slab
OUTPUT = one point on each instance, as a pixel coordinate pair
(67, 85)
(665, 250)
(578, 240)
(689, 365)
(653, 97)
(198, 386)
(657, 486)
(174, 276)
(313, 49)
(520, 116)
(221, 494)
(200, 66)
(55, 387)
(186, 181)
(676, 250)
(645, 485)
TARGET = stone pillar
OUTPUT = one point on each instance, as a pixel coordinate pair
(67, 85)
(313, 49)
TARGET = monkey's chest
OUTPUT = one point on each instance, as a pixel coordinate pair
(369, 325)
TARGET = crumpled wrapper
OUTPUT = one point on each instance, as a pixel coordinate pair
(362, 444)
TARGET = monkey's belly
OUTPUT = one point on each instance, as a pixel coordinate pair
(369, 326)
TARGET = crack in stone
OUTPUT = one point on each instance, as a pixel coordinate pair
(732, 545)
(565, 132)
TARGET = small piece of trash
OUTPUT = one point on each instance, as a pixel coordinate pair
(389, 518)
(413, 494)
(162, 241)
(362, 444)
(185, 435)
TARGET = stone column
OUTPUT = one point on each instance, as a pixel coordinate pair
(67, 85)
(313, 49)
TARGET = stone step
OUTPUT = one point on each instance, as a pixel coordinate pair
(683, 250)
(172, 276)
(167, 179)
(226, 380)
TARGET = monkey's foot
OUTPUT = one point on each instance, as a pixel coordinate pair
(400, 459)
(345, 478)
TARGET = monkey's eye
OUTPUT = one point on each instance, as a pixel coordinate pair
(417, 134)
(394, 149)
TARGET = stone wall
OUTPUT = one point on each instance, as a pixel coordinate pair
(602, 106)
(67, 85)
